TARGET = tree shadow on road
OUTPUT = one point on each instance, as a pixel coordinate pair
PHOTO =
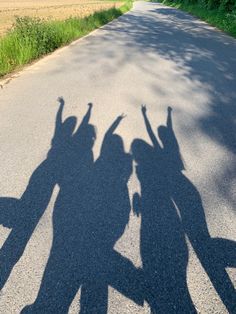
(203, 59)
(206, 56)
(170, 208)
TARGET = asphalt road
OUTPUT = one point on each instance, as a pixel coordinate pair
(177, 252)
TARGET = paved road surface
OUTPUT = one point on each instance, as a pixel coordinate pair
(153, 55)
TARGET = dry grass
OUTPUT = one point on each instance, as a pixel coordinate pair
(49, 9)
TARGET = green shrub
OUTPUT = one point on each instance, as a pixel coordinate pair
(31, 38)
(219, 13)
(223, 5)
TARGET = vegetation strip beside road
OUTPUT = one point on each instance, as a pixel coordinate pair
(31, 38)
(219, 13)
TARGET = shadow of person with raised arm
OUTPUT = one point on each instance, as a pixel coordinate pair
(163, 246)
(109, 209)
(215, 254)
(61, 277)
(22, 215)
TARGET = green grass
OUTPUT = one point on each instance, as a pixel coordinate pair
(226, 21)
(32, 38)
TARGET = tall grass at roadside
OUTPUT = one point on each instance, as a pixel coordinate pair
(219, 17)
(31, 38)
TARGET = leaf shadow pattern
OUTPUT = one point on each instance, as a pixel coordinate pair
(205, 55)
(170, 207)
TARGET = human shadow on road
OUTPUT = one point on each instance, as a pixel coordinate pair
(163, 246)
(171, 207)
(110, 209)
(90, 214)
(22, 215)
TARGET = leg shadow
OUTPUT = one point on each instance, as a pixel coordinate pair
(215, 254)
(163, 246)
(24, 214)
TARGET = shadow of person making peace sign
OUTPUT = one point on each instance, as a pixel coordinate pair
(90, 214)
(164, 189)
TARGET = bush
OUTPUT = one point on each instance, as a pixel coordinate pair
(223, 5)
(31, 38)
(40, 35)
(219, 13)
